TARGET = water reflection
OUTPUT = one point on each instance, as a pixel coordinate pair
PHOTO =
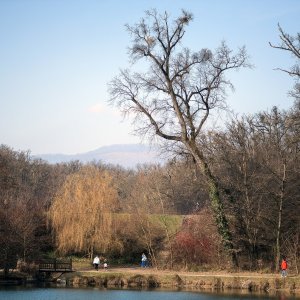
(58, 293)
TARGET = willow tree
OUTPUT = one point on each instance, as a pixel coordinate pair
(175, 96)
(81, 213)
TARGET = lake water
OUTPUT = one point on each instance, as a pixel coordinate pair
(26, 293)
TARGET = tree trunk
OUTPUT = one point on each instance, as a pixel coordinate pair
(282, 190)
(216, 203)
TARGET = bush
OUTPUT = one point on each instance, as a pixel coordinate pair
(196, 244)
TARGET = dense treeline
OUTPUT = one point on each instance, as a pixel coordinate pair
(76, 209)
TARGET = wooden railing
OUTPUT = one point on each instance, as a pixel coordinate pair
(55, 265)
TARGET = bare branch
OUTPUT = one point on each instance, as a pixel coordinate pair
(292, 45)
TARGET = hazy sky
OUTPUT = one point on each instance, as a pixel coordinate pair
(57, 56)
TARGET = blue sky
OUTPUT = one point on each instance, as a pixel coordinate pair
(56, 58)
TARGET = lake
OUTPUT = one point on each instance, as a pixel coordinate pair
(35, 293)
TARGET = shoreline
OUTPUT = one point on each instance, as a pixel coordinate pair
(149, 278)
(196, 281)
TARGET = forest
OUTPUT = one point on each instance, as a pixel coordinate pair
(82, 209)
(228, 197)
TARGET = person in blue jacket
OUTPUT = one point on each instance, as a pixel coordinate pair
(144, 261)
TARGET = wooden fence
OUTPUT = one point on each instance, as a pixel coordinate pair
(55, 265)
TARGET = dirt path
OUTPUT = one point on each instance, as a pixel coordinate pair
(138, 270)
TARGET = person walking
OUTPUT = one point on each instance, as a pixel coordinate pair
(96, 262)
(144, 261)
(105, 264)
(284, 267)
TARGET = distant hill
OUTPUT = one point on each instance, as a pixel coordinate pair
(125, 155)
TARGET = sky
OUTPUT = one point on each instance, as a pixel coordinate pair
(57, 57)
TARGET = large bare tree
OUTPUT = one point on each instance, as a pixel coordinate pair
(175, 96)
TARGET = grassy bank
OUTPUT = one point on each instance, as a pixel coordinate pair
(151, 278)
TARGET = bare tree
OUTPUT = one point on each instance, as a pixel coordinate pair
(292, 45)
(175, 97)
(26, 188)
(234, 158)
(257, 159)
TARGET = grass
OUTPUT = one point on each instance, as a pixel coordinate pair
(172, 222)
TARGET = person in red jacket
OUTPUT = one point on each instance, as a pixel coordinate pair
(284, 267)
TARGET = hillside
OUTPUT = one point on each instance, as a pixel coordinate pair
(125, 155)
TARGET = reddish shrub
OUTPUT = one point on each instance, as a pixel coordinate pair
(197, 243)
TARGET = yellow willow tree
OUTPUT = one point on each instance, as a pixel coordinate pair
(81, 213)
